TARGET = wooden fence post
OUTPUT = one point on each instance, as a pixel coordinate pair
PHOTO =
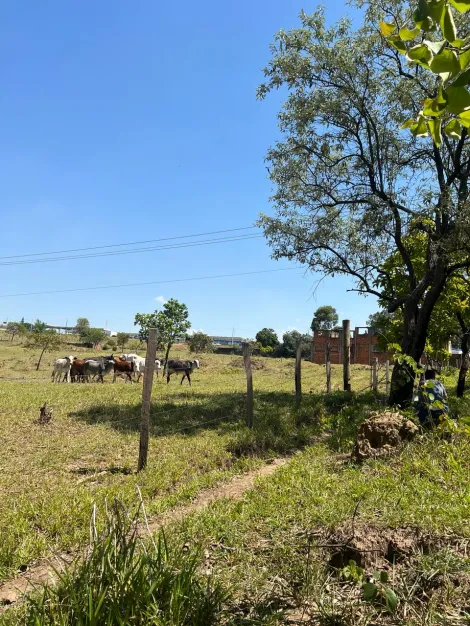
(146, 397)
(328, 364)
(249, 384)
(387, 377)
(298, 373)
(346, 355)
(375, 378)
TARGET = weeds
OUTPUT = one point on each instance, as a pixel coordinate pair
(123, 581)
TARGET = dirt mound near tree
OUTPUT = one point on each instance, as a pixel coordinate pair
(370, 546)
(381, 434)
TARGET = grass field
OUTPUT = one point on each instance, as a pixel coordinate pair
(51, 475)
(270, 550)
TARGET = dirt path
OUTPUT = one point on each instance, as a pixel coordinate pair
(43, 571)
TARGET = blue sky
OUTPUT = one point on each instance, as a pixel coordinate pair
(136, 121)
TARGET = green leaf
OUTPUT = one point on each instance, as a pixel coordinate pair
(448, 25)
(421, 13)
(408, 35)
(435, 10)
(464, 119)
(458, 99)
(446, 64)
(419, 128)
(420, 53)
(463, 80)
(464, 59)
(383, 577)
(370, 591)
(433, 107)
(435, 46)
(453, 129)
(397, 43)
(435, 129)
(387, 28)
(461, 5)
(407, 124)
(391, 599)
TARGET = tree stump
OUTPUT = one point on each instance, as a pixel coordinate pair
(45, 416)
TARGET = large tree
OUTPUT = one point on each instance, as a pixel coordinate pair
(267, 337)
(324, 318)
(349, 185)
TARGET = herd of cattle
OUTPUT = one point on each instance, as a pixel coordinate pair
(130, 366)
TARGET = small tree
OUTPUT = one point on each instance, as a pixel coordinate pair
(200, 342)
(93, 336)
(46, 340)
(122, 339)
(13, 328)
(172, 323)
(267, 337)
(324, 318)
(82, 325)
(38, 326)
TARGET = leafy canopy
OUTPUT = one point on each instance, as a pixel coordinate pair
(349, 186)
(324, 318)
(200, 342)
(267, 337)
(434, 37)
(171, 323)
(122, 339)
(82, 324)
(93, 336)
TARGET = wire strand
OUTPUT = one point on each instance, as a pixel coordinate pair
(130, 243)
(152, 282)
(191, 244)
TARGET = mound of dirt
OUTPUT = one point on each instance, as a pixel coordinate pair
(381, 434)
(371, 546)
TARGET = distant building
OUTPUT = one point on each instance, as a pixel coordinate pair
(227, 341)
(364, 346)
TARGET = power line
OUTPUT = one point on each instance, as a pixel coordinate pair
(153, 282)
(188, 244)
(131, 243)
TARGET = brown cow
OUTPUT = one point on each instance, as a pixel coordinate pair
(123, 367)
(76, 370)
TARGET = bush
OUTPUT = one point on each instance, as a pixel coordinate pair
(123, 581)
(200, 342)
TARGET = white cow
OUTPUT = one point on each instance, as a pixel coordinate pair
(139, 364)
(61, 369)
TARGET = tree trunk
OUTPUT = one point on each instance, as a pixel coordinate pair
(39, 362)
(462, 375)
(168, 351)
(415, 322)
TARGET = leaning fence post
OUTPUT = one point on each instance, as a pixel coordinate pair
(146, 397)
(298, 373)
(328, 364)
(346, 355)
(375, 367)
(387, 377)
(249, 384)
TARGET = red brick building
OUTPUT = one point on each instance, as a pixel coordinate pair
(364, 346)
